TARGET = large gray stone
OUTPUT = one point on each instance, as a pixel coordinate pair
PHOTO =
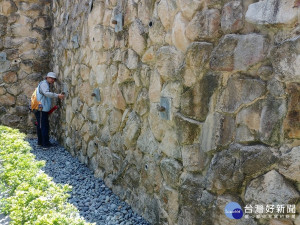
(132, 130)
(188, 132)
(4, 66)
(114, 121)
(204, 25)
(198, 54)
(195, 101)
(244, 135)
(271, 188)
(217, 132)
(147, 142)
(10, 120)
(128, 90)
(131, 177)
(249, 119)
(169, 62)
(232, 17)
(104, 158)
(275, 88)
(170, 145)
(7, 100)
(225, 172)
(104, 136)
(196, 203)
(170, 202)
(117, 144)
(92, 114)
(3, 56)
(152, 211)
(191, 188)
(193, 159)
(291, 121)
(272, 12)
(222, 57)
(290, 164)
(255, 159)
(171, 171)
(21, 110)
(286, 60)
(150, 174)
(251, 49)
(239, 52)
(92, 149)
(240, 91)
(272, 114)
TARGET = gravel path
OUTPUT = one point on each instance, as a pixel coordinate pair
(94, 200)
(4, 220)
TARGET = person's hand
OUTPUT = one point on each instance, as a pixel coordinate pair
(61, 96)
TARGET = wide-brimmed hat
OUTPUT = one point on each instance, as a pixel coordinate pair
(52, 75)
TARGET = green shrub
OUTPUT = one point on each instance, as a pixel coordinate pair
(32, 197)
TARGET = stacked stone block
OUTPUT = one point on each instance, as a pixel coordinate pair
(198, 103)
(24, 57)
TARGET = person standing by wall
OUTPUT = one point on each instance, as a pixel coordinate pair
(45, 97)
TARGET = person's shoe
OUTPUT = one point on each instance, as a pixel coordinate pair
(51, 145)
(45, 147)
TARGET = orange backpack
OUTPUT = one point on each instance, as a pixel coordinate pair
(34, 103)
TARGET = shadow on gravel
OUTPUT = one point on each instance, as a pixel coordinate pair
(94, 200)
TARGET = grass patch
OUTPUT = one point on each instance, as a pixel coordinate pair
(32, 197)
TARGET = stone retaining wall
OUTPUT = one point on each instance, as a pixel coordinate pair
(185, 106)
(24, 57)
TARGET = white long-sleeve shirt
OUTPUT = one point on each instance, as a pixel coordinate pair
(45, 90)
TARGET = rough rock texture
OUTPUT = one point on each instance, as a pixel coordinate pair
(224, 173)
(239, 52)
(217, 132)
(24, 57)
(292, 119)
(271, 187)
(232, 17)
(185, 106)
(239, 91)
(289, 164)
(271, 12)
(286, 61)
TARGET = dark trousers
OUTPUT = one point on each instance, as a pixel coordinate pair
(42, 127)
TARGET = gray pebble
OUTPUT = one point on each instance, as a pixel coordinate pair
(95, 201)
